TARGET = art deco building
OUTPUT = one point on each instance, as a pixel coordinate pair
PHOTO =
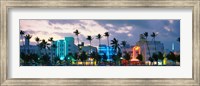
(64, 47)
(147, 47)
(29, 49)
(105, 50)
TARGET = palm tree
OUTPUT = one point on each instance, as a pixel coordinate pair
(151, 60)
(127, 56)
(28, 37)
(160, 56)
(123, 43)
(45, 57)
(51, 40)
(115, 45)
(84, 57)
(99, 36)
(171, 56)
(44, 45)
(54, 49)
(140, 57)
(146, 36)
(22, 36)
(76, 32)
(89, 38)
(106, 34)
(155, 57)
(37, 39)
(153, 35)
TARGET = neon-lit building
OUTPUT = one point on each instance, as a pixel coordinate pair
(64, 47)
(142, 43)
(136, 51)
(104, 49)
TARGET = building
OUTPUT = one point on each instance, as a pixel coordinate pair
(64, 47)
(149, 47)
(32, 49)
(136, 50)
(87, 49)
(29, 49)
(104, 49)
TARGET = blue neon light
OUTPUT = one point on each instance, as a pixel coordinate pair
(62, 58)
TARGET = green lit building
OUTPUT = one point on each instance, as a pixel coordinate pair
(64, 47)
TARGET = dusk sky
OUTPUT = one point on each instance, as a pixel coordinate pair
(168, 30)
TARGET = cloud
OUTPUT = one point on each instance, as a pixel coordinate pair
(124, 29)
(129, 35)
(157, 33)
(171, 21)
(129, 27)
(63, 35)
(57, 28)
(44, 28)
(93, 28)
(167, 29)
(110, 25)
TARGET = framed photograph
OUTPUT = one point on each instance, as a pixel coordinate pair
(122, 42)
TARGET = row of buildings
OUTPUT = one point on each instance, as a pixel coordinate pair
(66, 46)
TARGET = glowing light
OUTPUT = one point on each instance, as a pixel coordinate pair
(62, 58)
(136, 51)
(91, 59)
(73, 62)
(109, 51)
(165, 61)
(95, 62)
(155, 63)
(148, 63)
(159, 63)
(88, 63)
(137, 48)
(79, 62)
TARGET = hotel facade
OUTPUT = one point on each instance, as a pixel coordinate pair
(64, 47)
(145, 48)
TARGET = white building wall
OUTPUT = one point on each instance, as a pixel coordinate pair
(151, 45)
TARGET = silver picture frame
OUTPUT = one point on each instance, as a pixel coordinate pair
(5, 5)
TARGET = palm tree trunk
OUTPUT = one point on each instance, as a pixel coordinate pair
(99, 42)
(157, 62)
(51, 56)
(90, 47)
(124, 49)
(155, 45)
(108, 48)
(28, 47)
(22, 43)
(78, 39)
(148, 48)
(23, 40)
